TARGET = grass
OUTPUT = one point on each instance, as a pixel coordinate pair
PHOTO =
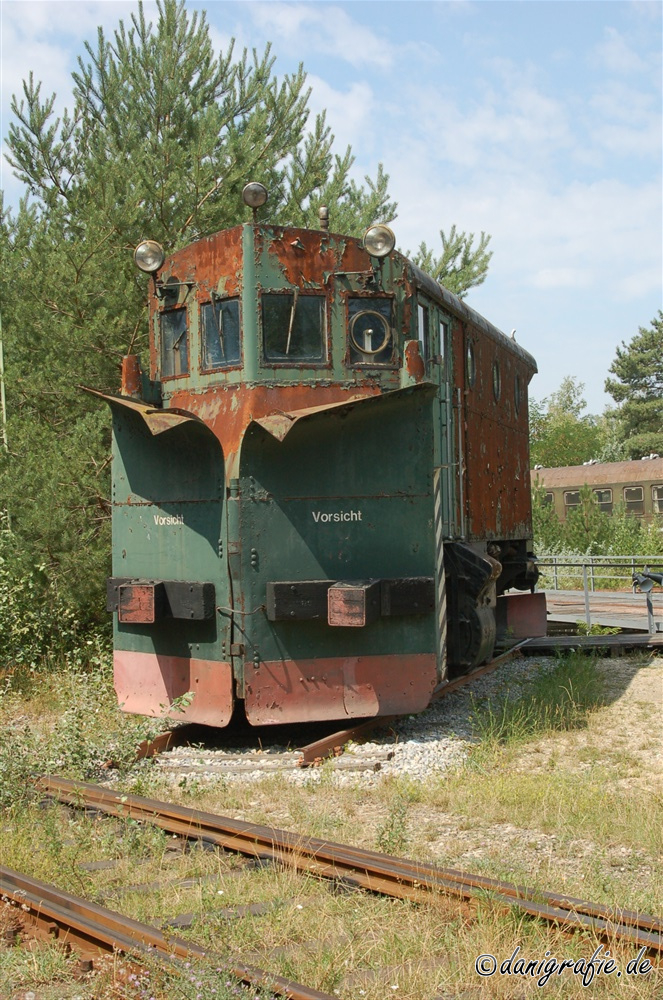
(65, 722)
(527, 806)
(558, 700)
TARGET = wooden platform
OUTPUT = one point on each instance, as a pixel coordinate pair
(617, 644)
(620, 609)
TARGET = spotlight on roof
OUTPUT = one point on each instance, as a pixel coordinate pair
(254, 195)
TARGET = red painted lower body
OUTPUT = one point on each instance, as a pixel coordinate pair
(279, 691)
(276, 691)
(148, 683)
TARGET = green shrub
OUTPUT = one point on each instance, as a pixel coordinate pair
(39, 628)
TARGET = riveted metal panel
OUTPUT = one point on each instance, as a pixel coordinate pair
(169, 525)
(347, 494)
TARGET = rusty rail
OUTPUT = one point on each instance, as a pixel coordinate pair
(92, 929)
(370, 870)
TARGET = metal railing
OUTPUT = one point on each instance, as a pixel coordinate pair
(591, 573)
(565, 572)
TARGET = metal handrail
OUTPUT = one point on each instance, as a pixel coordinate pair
(586, 570)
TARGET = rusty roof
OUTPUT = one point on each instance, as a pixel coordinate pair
(647, 470)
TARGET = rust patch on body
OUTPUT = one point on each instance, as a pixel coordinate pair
(307, 256)
(148, 683)
(131, 380)
(414, 363)
(229, 410)
(312, 690)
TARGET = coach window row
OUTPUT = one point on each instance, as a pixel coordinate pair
(633, 496)
(602, 497)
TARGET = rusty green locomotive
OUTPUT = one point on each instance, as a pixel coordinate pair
(320, 488)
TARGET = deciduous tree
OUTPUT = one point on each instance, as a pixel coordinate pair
(561, 433)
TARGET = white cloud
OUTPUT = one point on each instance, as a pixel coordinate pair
(616, 55)
(350, 113)
(323, 28)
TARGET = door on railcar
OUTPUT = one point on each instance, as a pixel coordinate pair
(434, 333)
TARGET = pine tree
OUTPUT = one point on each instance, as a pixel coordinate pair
(461, 266)
(638, 389)
(161, 138)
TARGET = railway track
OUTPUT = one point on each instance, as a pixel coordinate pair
(369, 870)
(92, 929)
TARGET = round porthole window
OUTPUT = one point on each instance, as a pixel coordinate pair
(369, 332)
(497, 381)
(470, 366)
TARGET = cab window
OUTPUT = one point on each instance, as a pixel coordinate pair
(293, 328)
(220, 334)
(423, 331)
(370, 331)
(174, 339)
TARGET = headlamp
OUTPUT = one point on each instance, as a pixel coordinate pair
(379, 241)
(254, 194)
(149, 256)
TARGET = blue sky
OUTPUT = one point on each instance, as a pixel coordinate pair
(538, 122)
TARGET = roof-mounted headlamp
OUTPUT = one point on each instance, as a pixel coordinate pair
(149, 256)
(379, 241)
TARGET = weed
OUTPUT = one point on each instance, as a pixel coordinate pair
(72, 727)
(392, 836)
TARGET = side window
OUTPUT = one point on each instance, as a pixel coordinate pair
(604, 500)
(470, 365)
(517, 394)
(634, 498)
(423, 331)
(657, 499)
(497, 381)
(293, 328)
(548, 499)
(370, 331)
(174, 338)
(219, 322)
(572, 498)
(444, 344)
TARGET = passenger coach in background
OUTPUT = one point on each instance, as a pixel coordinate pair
(636, 485)
(320, 489)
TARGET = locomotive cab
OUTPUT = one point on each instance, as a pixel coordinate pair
(297, 518)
